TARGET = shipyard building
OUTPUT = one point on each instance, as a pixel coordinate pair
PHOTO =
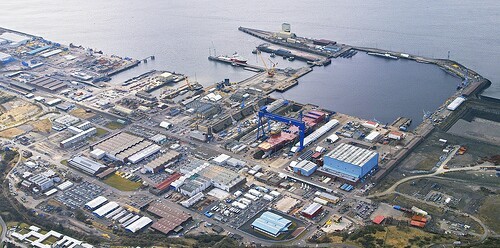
(271, 224)
(350, 162)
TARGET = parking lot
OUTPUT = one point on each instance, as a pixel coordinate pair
(77, 196)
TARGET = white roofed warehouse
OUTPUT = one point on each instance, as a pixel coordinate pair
(139, 224)
(95, 203)
(349, 162)
(312, 210)
(106, 209)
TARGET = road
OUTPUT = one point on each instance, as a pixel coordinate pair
(4, 230)
(440, 170)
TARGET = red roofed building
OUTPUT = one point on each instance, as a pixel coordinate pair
(417, 223)
(378, 219)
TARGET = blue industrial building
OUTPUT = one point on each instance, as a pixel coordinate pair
(271, 224)
(350, 162)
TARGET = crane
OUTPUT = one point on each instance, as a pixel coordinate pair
(270, 71)
(263, 113)
(188, 84)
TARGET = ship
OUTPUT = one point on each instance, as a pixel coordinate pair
(383, 55)
(235, 58)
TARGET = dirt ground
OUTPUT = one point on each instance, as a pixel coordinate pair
(11, 132)
(387, 210)
(17, 111)
(42, 125)
(81, 113)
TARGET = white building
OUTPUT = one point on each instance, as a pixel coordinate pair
(41, 182)
(139, 224)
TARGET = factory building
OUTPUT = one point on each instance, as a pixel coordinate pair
(159, 163)
(194, 186)
(329, 197)
(192, 200)
(171, 218)
(350, 162)
(86, 165)
(144, 153)
(126, 147)
(123, 110)
(221, 159)
(159, 139)
(223, 178)
(312, 210)
(22, 86)
(106, 209)
(456, 103)
(165, 77)
(5, 58)
(305, 168)
(396, 135)
(66, 120)
(373, 137)
(79, 137)
(271, 224)
(95, 203)
(14, 40)
(139, 224)
(41, 182)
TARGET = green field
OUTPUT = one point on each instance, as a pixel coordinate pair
(489, 212)
(101, 132)
(114, 125)
(50, 240)
(121, 183)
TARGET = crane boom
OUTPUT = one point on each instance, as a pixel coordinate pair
(263, 113)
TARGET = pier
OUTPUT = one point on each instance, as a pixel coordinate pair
(245, 66)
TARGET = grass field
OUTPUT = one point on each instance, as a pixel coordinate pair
(50, 240)
(489, 212)
(114, 125)
(101, 132)
(398, 237)
(121, 183)
(64, 162)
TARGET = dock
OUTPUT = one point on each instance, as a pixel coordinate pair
(245, 66)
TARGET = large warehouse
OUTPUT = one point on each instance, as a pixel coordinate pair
(271, 224)
(127, 147)
(86, 165)
(349, 162)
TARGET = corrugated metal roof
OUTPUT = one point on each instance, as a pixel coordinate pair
(312, 209)
(351, 154)
(96, 202)
(271, 223)
(139, 224)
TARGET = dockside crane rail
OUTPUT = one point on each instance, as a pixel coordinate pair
(261, 132)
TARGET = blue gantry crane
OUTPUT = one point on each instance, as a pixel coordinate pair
(263, 113)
